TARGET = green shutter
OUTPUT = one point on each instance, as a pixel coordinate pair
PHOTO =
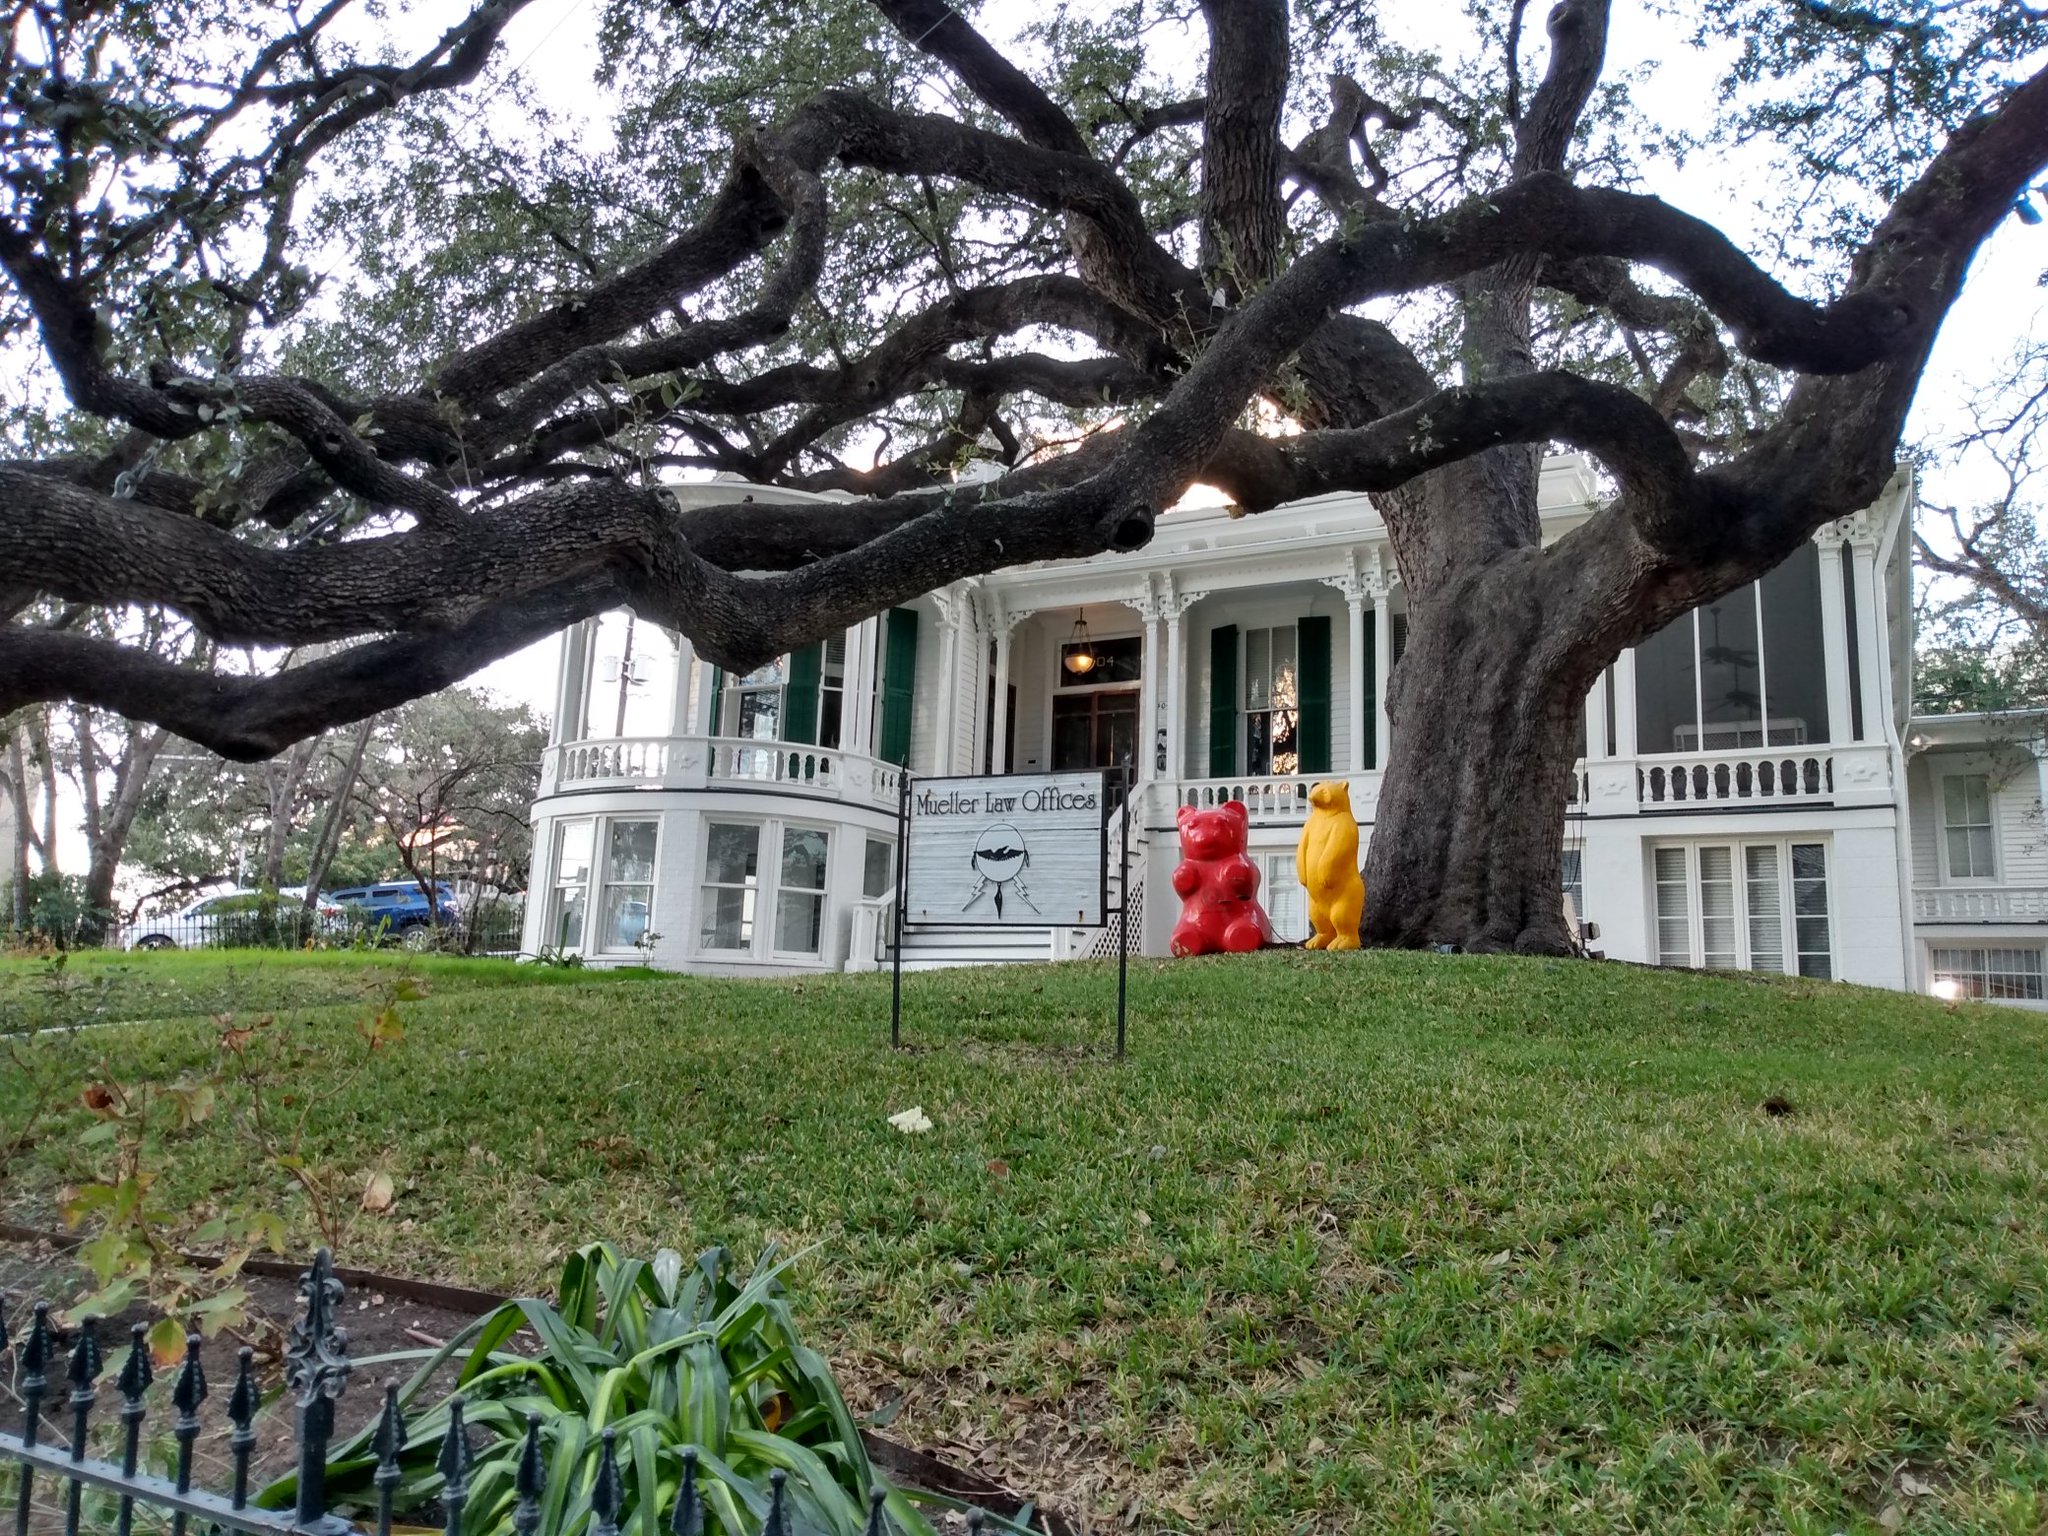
(800, 697)
(1222, 701)
(899, 681)
(717, 700)
(1313, 649)
(1368, 700)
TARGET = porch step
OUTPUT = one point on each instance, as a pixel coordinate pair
(932, 949)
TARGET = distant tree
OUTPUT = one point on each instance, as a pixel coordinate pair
(1293, 259)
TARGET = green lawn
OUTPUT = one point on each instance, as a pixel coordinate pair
(1352, 1242)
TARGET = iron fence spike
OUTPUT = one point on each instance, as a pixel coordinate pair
(877, 1497)
(778, 1513)
(975, 1521)
(85, 1365)
(242, 1402)
(136, 1371)
(688, 1517)
(390, 1437)
(608, 1497)
(454, 1459)
(530, 1481)
(189, 1390)
(35, 1353)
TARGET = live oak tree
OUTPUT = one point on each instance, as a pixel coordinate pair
(355, 347)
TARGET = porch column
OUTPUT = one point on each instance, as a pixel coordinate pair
(1834, 634)
(1176, 664)
(948, 692)
(1382, 667)
(1625, 703)
(1596, 719)
(1870, 648)
(572, 685)
(999, 704)
(1354, 603)
(1151, 695)
(686, 672)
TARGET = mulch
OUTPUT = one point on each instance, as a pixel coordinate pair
(383, 1315)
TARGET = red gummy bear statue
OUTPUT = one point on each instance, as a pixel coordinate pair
(1217, 884)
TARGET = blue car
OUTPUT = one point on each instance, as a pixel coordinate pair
(397, 908)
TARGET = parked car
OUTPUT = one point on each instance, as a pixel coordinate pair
(397, 908)
(232, 917)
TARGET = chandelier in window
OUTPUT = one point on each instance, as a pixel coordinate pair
(1080, 653)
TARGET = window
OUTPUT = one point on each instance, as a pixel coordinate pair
(627, 903)
(1272, 701)
(1281, 894)
(733, 890)
(1993, 973)
(1744, 671)
(1574, 870)
(832, 693)
(1094, 730)
(732, 861)
(878, 871)
(572, 885)
(1971, 844)
(760, 703)
(800, 898)
(1744, 906)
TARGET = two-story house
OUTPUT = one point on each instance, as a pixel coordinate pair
(1752, 793)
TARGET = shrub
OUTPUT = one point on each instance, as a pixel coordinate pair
(672, 1360)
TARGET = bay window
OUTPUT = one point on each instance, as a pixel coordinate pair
(739, 856)
(614, 854)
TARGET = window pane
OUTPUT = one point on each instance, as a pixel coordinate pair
(731, 853)
(625, 915)
(1258, 668)
(831, 705)
(1810, 908)
(1717, 908)
(803, 859)
(728, 921)
(572, 862)
(1731, 685)
(1795, 671)
(878, 870)
(565, 920)
(760, 714)
(1664, 689)
(1283, 667)
(1766, 909)
(1674, 933)
(1258, 742)
(1981, 853)
(799, 923)
(631, 857)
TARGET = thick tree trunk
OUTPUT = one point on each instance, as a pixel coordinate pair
(1486, 717)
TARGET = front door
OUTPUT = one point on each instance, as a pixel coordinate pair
(1098, 729)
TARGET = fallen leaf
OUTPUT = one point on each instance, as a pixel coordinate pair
(998, 1168)
(1892, 1517)
(1913, 1488)
(379, 1193)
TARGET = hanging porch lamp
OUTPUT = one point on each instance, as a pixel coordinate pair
(1080, 654)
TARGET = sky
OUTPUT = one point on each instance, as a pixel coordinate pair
(2003, 304)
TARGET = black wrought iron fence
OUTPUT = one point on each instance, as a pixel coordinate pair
(317, 1369)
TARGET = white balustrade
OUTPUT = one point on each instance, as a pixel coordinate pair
(710, 762)
(1980, 904)
(1735, 778)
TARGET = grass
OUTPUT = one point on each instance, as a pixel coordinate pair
(1388, 1242)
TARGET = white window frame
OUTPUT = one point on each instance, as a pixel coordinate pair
(1948, 876)
(601, 877)
(1739, 916)
(1984, 950)
(597, 877)
(767, 890)
(1244, 696)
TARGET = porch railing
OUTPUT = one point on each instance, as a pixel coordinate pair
(1734, 777)
(1981, 904)
(317, 1370)
(709, 762)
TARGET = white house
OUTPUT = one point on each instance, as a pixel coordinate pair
(1752, 792)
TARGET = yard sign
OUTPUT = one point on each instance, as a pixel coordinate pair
(1015, 850)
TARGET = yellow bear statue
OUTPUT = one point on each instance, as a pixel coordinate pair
(1327, 862)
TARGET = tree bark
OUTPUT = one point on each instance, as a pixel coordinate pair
(1486, 716)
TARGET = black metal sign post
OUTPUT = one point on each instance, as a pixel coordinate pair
(1123, 911)
(896, 925)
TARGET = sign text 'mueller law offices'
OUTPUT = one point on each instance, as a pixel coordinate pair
(1013, 850)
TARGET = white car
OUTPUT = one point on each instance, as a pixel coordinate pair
(212, 920)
